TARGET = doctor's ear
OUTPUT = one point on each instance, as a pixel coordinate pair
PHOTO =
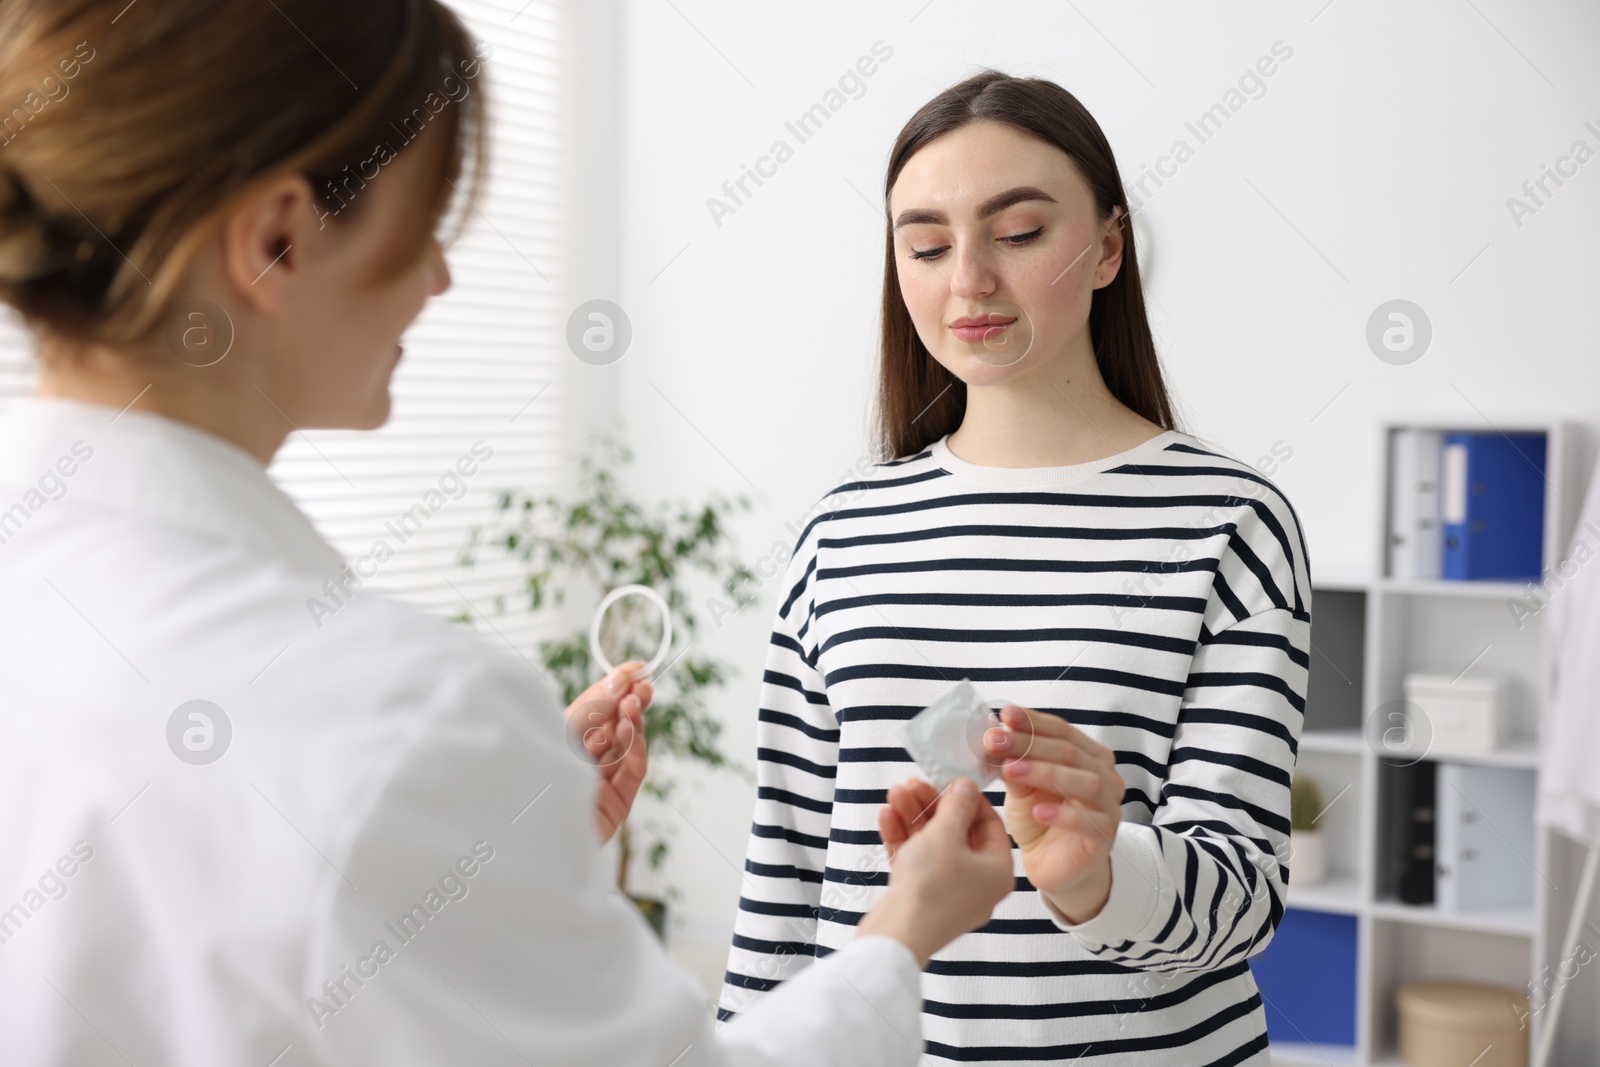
(267, 238)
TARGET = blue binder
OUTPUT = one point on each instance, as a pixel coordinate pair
(1491, 505)
(1307, 978)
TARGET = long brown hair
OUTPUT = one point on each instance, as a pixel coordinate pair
(128, 130)
(919, 401)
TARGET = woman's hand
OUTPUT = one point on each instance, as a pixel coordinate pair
(607, 724)
(1063, 806)
(951, 864)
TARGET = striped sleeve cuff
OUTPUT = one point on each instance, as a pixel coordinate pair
(1131, 912)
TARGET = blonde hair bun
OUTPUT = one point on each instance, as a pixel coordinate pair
(131, 142)
(24, 242)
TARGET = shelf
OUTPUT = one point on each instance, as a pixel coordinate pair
(1341, 582)
(1520, 752)
(1511, 922)
(1347, 741)
(1489, 590)
(1339, 893)
(1371, 630)
(1300, 1054)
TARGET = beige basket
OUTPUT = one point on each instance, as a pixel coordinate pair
(1451, 1024)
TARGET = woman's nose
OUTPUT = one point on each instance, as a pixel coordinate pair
(441, 273)
(973, 273)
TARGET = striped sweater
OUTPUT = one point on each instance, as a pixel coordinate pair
(1160, 600)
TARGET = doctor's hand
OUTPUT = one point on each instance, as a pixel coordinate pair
(1063, 806)
(607, 723)
(950, 864)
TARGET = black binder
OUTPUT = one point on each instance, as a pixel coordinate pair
(1414, 833)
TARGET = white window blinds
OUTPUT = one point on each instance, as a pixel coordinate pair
(483, 363)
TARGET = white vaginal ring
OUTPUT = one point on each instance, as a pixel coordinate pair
(611, 598)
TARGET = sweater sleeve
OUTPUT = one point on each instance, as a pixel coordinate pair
(1203, 884)
(797, 752)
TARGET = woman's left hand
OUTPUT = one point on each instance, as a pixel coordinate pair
(1063, 806)
(607, 723)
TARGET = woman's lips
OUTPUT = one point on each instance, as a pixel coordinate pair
(984, 328)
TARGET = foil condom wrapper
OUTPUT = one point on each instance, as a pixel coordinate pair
(946, 737)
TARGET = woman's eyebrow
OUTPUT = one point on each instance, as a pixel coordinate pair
(995, 204)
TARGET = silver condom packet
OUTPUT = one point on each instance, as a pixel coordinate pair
(946, 737)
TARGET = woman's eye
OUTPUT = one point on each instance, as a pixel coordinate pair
(1017, 239)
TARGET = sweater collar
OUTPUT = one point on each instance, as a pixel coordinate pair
(1033, 477)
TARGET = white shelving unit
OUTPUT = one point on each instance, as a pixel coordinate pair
(1368, 633)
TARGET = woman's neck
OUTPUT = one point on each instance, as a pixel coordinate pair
(1059, 415)
(209, 399)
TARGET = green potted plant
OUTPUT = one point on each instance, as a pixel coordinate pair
(1308, 854)
(597, 540)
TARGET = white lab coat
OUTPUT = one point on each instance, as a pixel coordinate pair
(393, 861)
(1569, 788)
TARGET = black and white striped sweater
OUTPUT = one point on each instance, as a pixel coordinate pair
(1160, 599)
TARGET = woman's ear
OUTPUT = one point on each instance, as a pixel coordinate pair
(1114, 238)
(266, 239)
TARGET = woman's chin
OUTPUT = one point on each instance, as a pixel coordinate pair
(373, 415)
(380, 414)
(983, 368)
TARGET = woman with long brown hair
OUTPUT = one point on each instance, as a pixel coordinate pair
(237, 832)
(1040, 526)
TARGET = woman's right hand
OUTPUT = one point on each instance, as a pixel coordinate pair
(950, 864)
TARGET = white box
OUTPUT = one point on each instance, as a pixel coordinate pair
(1467, 715)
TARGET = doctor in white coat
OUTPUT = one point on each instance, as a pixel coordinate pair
(238, 828)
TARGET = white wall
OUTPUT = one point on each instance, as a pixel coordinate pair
(1376, 165)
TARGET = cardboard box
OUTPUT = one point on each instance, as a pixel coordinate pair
(1453, 1024)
